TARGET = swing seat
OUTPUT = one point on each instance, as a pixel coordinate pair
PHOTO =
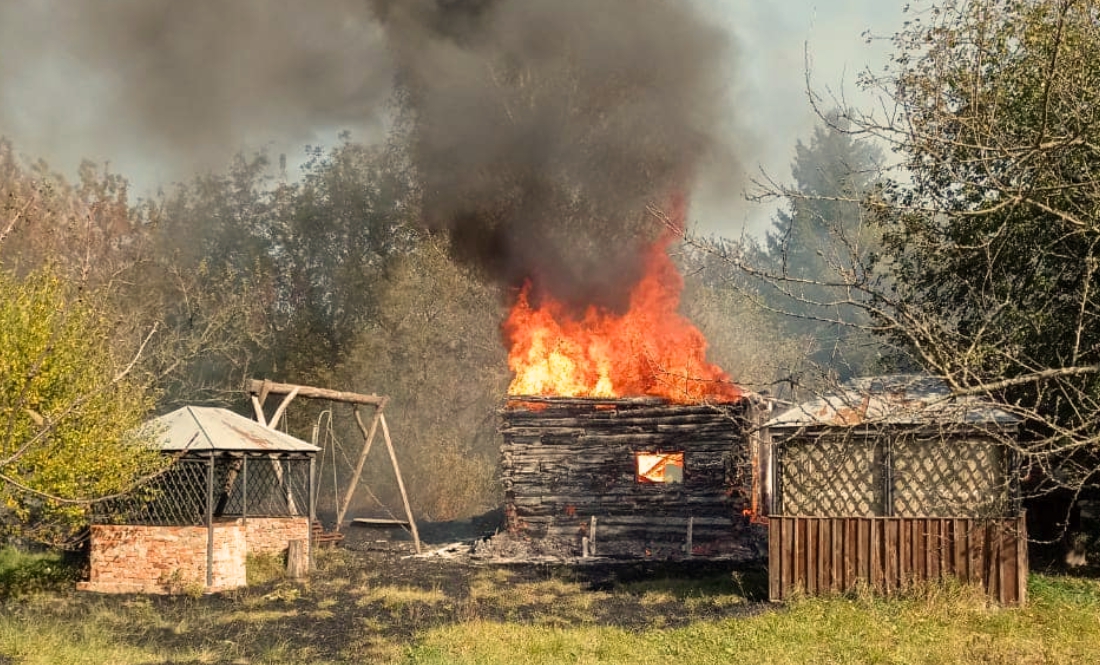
(379, 523)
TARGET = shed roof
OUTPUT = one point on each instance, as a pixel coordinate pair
(207, 428)
(899, 399)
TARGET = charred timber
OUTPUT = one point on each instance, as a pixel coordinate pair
(568, 464)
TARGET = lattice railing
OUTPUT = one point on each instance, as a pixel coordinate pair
(252, 487)
(887, 475)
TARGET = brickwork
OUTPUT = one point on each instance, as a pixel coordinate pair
(270, 535)
(172, 559)
(164, 559)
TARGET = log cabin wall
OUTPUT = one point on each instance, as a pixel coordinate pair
(567, 461)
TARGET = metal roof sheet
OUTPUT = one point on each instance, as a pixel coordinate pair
(901, 399)
(207, 428)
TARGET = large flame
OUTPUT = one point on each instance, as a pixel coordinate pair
(649, 350)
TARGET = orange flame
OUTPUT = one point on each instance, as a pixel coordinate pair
(650, 350)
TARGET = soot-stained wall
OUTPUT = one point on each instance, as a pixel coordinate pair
(565, 461)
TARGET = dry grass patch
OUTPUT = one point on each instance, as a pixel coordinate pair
(257, 616)
(395, 597)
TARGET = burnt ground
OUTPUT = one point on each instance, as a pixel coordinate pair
(369, 597)
(455, 554)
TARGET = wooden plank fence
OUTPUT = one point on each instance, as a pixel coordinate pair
(821, 555)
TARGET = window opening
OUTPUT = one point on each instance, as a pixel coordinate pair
(652, 468)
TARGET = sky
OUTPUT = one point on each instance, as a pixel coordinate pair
(774, 40)
(52, 105)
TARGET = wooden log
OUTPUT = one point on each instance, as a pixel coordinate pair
(574, 423)
(652, 507)
(281, 409)
(297, 559)
(258, 407)
(257, 387)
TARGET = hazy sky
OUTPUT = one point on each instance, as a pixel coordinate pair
(53, 107)
(773, 39)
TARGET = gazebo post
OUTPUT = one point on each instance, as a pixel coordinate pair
(210, 521)
(244, 489)
(312, 507)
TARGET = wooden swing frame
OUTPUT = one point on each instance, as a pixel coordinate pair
(259, 390)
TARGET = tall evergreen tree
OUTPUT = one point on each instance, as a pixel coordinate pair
(812, 245)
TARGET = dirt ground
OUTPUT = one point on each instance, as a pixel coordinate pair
(370, 596)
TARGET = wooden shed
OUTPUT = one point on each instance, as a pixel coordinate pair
(235, 488)
(891, 480)
(637, 478)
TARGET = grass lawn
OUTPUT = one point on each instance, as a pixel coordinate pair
(934, 625)
(360, 610)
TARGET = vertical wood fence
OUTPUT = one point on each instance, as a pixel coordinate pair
(819, 555)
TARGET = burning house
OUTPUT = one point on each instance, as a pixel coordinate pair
(620, 439)
(639, 477)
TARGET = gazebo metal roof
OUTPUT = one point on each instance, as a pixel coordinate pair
(901, 399)
(213, 429)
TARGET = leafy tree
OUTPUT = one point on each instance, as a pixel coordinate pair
(739, 327)
(988, 269)
(831, 174)
(435, 347)
(992, 241)
(68, 407)
(336, 235)
(207, 275)
(169, 263)
(128, 303)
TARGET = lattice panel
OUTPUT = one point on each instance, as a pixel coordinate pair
(177, 497)
(834, 477)
(952, 478)
(891, 476)
(263, 487)
(276, 488)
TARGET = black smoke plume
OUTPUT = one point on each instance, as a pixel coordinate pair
(541, 129)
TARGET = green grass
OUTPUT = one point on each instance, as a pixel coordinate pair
(264, 568)
(424, 613)
(936, 624)
(23, 573)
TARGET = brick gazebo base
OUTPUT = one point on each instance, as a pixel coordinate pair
(173, 559)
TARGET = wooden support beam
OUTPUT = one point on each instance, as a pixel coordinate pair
(297, 559)
(282, 407)
(259, 390)
(400, 483)
(265, 386)
(257, 387)
(258, 407)
(368, 439)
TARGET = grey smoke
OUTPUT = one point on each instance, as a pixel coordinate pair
(188, 81)
(543, 128)
(539, 129)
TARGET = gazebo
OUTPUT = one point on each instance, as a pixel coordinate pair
(888, 481)
(235, 488)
